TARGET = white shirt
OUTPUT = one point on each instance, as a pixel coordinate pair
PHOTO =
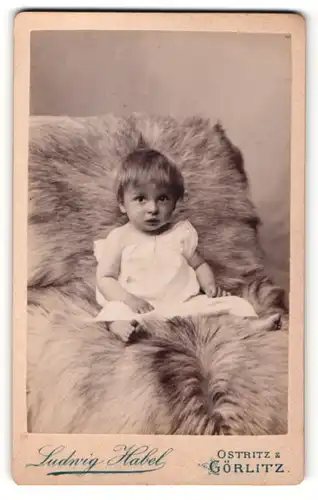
(153, 267)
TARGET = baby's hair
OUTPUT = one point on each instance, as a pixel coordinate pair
(145, 165)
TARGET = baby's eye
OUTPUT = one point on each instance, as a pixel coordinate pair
(140, 198)
(163, 197)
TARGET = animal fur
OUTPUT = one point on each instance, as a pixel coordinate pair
(213, 375)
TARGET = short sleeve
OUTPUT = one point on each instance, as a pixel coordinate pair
(189, 239)
(107, 252)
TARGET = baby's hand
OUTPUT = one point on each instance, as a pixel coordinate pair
(138, 305)
(213, 290)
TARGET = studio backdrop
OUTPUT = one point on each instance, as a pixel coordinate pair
(242, 80)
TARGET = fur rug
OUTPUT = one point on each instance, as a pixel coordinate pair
(216, 375)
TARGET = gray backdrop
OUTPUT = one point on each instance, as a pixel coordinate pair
(240, 79)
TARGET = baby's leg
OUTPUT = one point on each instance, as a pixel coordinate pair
(242, 307)
(121, 320)
(115, 311)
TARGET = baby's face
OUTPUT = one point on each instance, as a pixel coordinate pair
(149, 208)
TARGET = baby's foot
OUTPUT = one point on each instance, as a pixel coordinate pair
(275, 321)
(139, 332)
(122, 328)
(272, 322)
(128, 330)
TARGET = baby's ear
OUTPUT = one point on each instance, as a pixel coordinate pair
(122, 209)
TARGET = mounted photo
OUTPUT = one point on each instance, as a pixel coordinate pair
(158, 248)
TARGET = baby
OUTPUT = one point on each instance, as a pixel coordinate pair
(151, 264)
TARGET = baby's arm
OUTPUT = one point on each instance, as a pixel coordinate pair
(205, 276)
(107, 273)
(107, 278)
(111, 289)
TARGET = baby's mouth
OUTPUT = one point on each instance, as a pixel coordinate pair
(152, 221)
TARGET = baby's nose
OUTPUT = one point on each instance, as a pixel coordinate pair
(152, 207)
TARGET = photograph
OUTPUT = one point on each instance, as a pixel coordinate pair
(158, 241)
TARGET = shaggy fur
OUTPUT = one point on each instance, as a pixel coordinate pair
(190, 376)
(195, 376)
